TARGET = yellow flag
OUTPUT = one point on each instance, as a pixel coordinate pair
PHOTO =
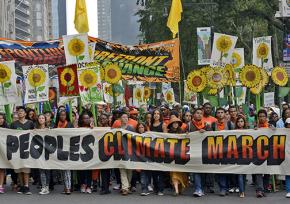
(174, 16)
(81, 17)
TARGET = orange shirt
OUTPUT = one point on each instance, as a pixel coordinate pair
(209, 119)
(184, 127)
(131, 122)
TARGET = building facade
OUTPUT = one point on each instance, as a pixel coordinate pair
(104, 20)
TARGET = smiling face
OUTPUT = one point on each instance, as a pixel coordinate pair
(41, 120)
(62, 116)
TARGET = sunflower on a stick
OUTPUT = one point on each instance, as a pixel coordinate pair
(5, 75)
(112, 75)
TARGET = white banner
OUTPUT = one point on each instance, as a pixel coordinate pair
(262, 53)
(269, 99)
(76, 49)
(223, 47)
(204, 45)
(263, 151)
(36, 83)
(8, 88)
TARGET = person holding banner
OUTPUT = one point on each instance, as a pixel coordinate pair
(207, 111)
(157, 125)
(105, 173)
(222, 124)
(85, 175)
(260, 180)
(3, 124)
(126, 174)
(241, 124)
(62, 121)
(287, 125)
(23, 174)
(44, 174)
(179, 180)
(199, 124)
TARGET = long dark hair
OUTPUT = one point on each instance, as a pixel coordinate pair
(139, 124)
(244, 119)
(161, 116)
(57, 117)
(37, 125)
(81, 122)
(5, 125)
(284, 114)
(178, 130)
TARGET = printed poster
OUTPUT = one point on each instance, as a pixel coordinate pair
(204, 45)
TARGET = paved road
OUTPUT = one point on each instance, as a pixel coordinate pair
(55, 197)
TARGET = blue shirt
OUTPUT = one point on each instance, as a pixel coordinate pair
(280, 123)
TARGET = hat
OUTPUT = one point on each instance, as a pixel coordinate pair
(174, 119)
(133, 112)
(287, 121)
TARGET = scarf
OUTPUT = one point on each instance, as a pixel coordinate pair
(263, 125)
(62, 124)
(220, 126)
(199, 124)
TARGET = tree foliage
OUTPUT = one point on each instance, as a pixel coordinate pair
(243, 18)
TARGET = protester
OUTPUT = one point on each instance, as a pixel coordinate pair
(3, 124)
(126, 174)
(157, 125)
(63, 121)
(285, 115)
(179, 180)
(23, 174)
(287, 125)
(241, 124)
(148, 119)
(207, 111)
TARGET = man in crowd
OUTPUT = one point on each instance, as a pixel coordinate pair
(207, 114)
(23, 173)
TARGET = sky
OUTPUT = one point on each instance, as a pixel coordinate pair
(92, 17)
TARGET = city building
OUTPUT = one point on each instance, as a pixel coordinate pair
(32, 19)
(104, 20)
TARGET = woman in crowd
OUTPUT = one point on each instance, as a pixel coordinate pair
(179, 180)
(240, 125)
(31, 115)
(148, 119)
(85, 175)
(3, 124)
(145, 175)
(44, 174)
(157, 125)
(63, 121)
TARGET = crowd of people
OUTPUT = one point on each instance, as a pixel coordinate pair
(178, 119)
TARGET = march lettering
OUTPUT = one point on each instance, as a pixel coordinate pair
(244, 150)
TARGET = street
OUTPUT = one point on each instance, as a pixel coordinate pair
(187, 198)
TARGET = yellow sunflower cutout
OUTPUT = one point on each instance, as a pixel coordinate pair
(76, 47)
(212, 92)
(250, 76)
(265, 77)
(262, 51)
(205, 70)
(36, 77)
(257, 89)
(147, 93)
(216, 78)
(236, 60)
(279, 76)
(110, 91)
(5, 73)
(224, 43)
(230, 75)
(138, 94)
(169, 96)
(113, 74)
(196, 81)
(67, 77)
(88, 78)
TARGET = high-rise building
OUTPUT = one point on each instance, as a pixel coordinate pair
(7, 22)
(23, 24)
(104, 20)
(117, 21)
(125, 26)
(31, 19)
(58, 19)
